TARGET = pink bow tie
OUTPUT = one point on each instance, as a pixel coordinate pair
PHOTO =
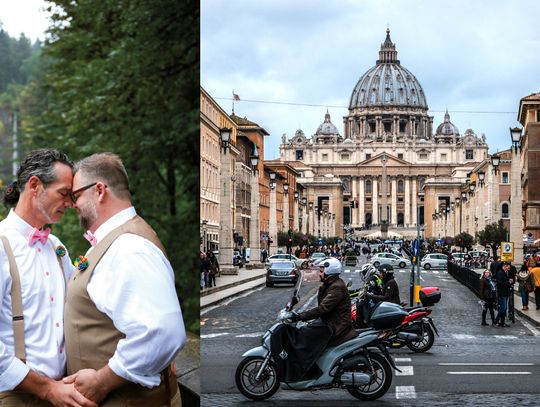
(90, 237)
(37, 235)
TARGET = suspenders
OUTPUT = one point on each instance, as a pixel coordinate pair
(16, 300)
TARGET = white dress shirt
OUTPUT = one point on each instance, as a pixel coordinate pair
(43, 291)
(133, 284)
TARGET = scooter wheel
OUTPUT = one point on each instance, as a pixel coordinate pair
(247, 382)
(380, 382)
(424, 344)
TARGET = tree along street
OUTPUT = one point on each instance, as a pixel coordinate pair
(469, 364)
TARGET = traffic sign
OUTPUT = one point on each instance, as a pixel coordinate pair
(507, 251)
(416, 247)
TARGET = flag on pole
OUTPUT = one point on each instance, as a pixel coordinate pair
(235, 96)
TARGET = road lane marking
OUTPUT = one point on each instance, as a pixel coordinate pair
(488, 364)
(531, 328)
(252, 335)
(405, 371)
(228, 301)
(435, 272)
(405, 392)
(488, 373)
(210, 336)
(505, 336)
(402, 359)
(463, 336)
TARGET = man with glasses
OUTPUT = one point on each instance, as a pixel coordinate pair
(123, 322)
(34, 268)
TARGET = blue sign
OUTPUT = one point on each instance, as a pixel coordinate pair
(339, 241)
(319, 242)
(416, 247)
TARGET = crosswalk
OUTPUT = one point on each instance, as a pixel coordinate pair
(431, 271)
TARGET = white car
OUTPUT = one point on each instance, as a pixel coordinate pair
(390, 258)
(434, 260)
(285, 257)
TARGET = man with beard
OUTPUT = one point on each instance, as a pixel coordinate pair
(123, 322)
(34, 268)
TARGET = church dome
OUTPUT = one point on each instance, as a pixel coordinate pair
(447, 128)
(327, 128)
(388, 83)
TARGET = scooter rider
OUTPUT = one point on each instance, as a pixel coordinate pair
(334, 307)
(390, 290)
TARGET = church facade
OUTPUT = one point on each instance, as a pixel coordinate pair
(374, 172)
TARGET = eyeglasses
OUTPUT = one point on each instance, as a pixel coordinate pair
(73, 194)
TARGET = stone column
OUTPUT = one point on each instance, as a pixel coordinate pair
(354, 219)
(375, 199)
(311, 217)
(414, 208)
(516, 219)
(384, 186)
(394, 201)
(304, 220)
(296, 216)
(226, 217)
(272, 228)
(361, 202)
(407, 201)
(286, 223)
(254, 231)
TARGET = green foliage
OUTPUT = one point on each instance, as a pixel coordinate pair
(464, 240)
(13, 55)
(492, 235)
(124, 77)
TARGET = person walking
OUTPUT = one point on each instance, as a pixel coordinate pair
(503, 293)
(204, 266)
(488, 292)
(214, 268)
(525, 286)
(535, 271)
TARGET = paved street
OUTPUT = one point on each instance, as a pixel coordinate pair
(468, 365)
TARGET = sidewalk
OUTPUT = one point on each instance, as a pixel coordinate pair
(229, 285)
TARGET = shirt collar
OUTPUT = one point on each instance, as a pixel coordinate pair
(113, 222)
(19, 224)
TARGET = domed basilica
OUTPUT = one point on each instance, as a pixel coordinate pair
(379, 169)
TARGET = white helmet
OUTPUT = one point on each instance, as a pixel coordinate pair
(331, 266)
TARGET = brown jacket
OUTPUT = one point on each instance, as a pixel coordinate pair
(334, 309)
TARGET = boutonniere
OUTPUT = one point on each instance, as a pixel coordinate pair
(81, 263)
(60, 251)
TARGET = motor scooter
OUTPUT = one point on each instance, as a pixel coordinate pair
(362, 365)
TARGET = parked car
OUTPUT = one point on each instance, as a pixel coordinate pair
(317, 255)
(390, 258)
(281, 272)
(320, 261)
(477, 253)
(434, 260)
(284, 256)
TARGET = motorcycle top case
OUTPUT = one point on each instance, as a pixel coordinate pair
(430, 296)
(387, 315)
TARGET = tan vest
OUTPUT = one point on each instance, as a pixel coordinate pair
(90, 335)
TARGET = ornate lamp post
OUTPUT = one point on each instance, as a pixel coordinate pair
(495, 200)
(272, 229)
(286, 224)
(516, 219)
(311, 219)
(254, 227)
(296, 215)
(225, 207)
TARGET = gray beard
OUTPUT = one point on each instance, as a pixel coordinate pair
(41, 208)
(88, 215)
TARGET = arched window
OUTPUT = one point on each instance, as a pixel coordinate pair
(504, 211)
(400, 187)
(369, 220)
(368, 186)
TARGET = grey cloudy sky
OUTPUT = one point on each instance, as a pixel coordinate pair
(24, 16)
(469, 56)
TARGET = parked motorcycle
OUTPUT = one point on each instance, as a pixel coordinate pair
(362, 365)
(417, 330)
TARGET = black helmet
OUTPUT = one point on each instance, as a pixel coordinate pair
(386, 268)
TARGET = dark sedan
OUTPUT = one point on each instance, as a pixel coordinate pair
(281, 272)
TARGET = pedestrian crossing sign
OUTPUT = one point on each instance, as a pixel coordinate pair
(507, 251)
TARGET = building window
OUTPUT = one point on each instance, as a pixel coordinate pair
(372, 127)
(400, 187)
(400, 199)
(468, 154)
(422, 156)
(368, 156)
(504, 211)
(443, 157)
(387, 127)
(368, 186)
(325, 157)
(299, 155)
(402, 126)
(505, 177)
(400, 156)
(345, 156)
(368, 199)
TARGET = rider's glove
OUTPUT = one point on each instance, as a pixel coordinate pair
(369, 294)
(294, 317)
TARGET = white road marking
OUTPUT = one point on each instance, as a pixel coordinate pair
(486, 364)
(435, 272)
(228, 301)
(252, 335)
(463, 336)
(405, 392)
(405, 371)
(402, 271)
(209, 336)
(505, 336)
(357, 271)
(531, 328)
(486, 373)
(347, 271)
(402, 360)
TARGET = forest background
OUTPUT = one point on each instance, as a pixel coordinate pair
(119, 76)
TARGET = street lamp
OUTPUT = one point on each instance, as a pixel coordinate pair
(225, 135)
(272, 180)
(254, 158)
(515, 134)
(495, 161)
(472, 187)
(463, 196)
(481, 177)
(311, 206)
(304, 201)
(286, 188)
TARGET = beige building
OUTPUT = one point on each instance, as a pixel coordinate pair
(374, 173)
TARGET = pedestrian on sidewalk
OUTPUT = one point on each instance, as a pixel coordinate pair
(204, 267)
(503, 292)
(525, 286)
(535, 271)
(214, 268)
(488, 292)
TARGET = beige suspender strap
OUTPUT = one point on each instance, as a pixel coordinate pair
(16, 303)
